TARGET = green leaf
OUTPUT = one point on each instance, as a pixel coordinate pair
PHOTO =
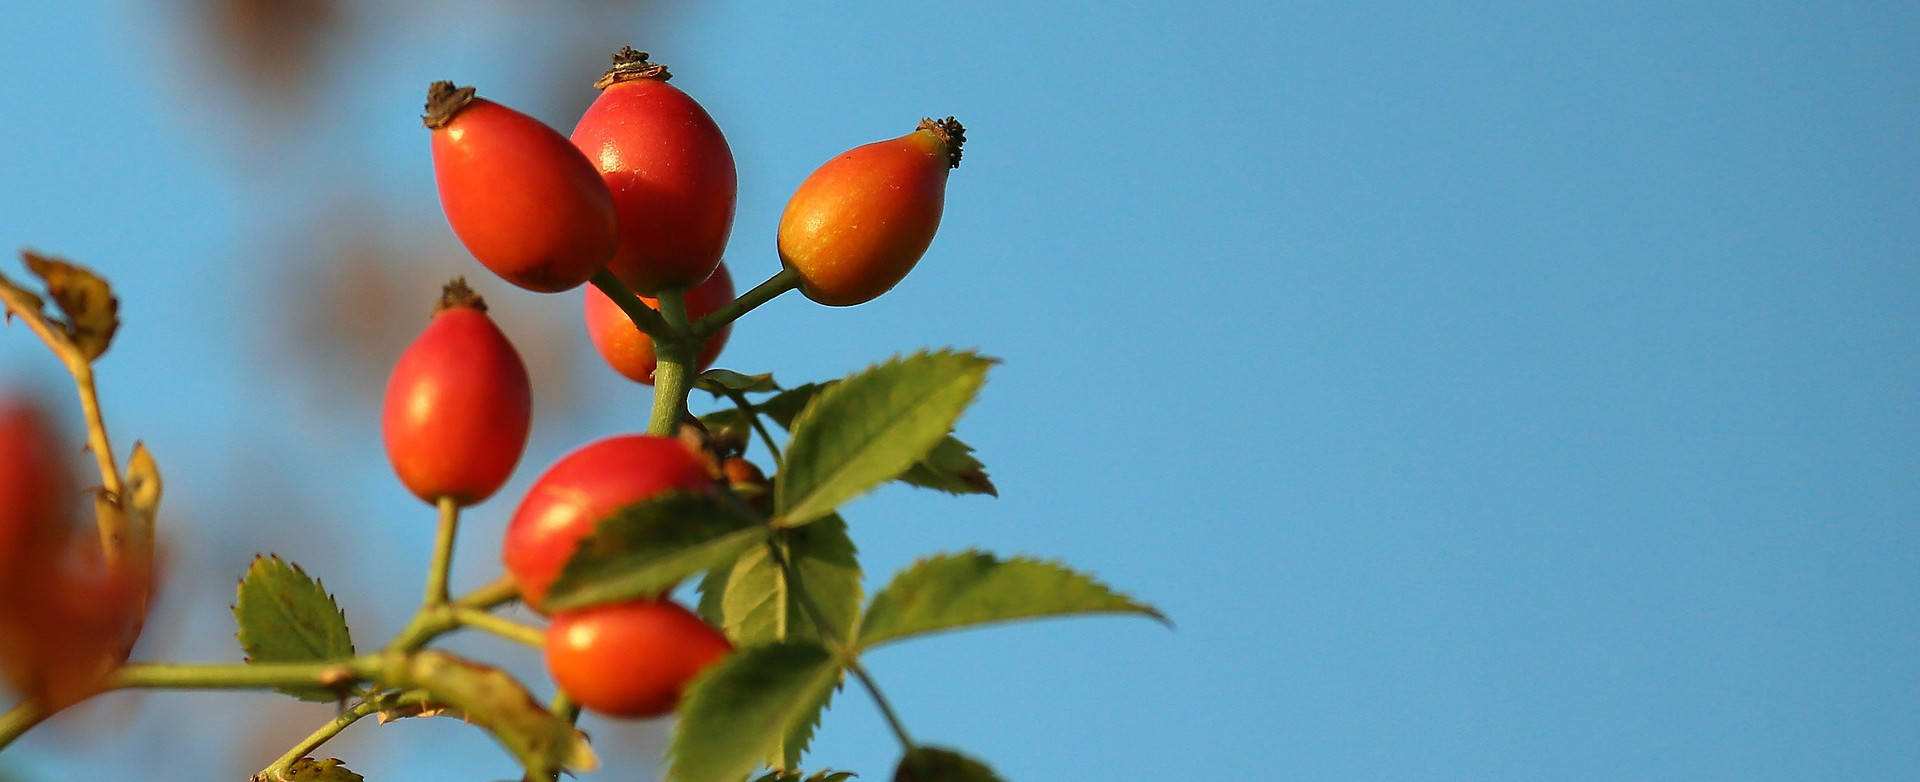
(871, 427)
(713, 595)
(933, 764)
(91, 312)
(736, 713)
(948, 467)
(792, 746)
(786, 405)
(759, 606)
(719, 382)
(329, 770)
(781, 408)
(647, 547)
(951, 468)
(493, 700)
(287, 617)
(755, 604)
(952, 591)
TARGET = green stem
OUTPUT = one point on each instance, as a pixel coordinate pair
(433, 621)
(245, 676)
(277, 770)
(501, 626)
(498, 593)
(880, 699)
(429, 623)
(781, 282)
(113, 526)
(753, 418)
(637, 311)
(673, 365)
(442, 553)
(20, 719)
(849, 656)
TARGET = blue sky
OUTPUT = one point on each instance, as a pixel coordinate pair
(1487, 391)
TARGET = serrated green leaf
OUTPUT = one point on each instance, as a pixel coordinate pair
(784, 406)
(493, 700)
(780, 408)
(952, 591)
(868, 429)
(713, 595)
(329, 770)
(287, 617)
(793, 746)
(91, 313)
(933, 764)
(647, 547)
(759, 606)
(719, 382)
(753, 603)
(737, 712)
(951, 468)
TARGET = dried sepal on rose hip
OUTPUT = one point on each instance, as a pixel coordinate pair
(520, 196)
(861, 221)
(459, 404)
(669, 170)
(629, 351)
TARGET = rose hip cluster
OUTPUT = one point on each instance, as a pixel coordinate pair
(646, 189)
(644, 192)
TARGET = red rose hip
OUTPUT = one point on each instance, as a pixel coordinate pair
(860, 222)
(459, 404)
(630, 351)
(669, 170)
(581, 489)
(521, 198)
(35, 485)
(631, 659)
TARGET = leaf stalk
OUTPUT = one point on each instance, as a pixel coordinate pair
(781, 282)
(278, 769)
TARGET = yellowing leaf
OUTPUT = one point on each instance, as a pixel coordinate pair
(329, 770)
(92, 314)
(492, 699)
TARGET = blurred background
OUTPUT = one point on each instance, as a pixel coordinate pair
(1487, 391)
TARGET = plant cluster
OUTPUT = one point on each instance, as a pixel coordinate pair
(637, 206)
